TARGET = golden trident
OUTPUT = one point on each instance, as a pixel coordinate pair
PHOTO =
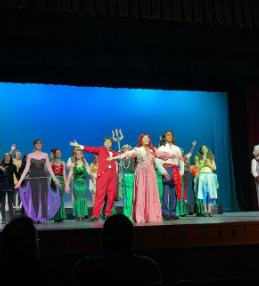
(118, 137)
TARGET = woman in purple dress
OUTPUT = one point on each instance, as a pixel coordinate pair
(39, 202)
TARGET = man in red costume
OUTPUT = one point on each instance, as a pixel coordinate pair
(106, 182)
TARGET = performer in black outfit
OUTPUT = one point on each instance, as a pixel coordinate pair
(7, 172)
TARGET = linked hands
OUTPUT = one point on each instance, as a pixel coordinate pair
(17, 185)
(167, 176)
(109, 159)
(116, 157)
(67, 189)
(177, 157)
(58, 183)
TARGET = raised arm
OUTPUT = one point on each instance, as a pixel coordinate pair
(193, 146)
(93, 150)
(12, 148)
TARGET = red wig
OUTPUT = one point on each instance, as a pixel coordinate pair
(150, 143)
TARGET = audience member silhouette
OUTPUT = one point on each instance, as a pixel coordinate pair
(115, 263)
(21, 264)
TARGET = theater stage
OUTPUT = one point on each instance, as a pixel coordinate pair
(233, 228)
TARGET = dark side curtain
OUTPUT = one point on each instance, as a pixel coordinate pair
(252, 106)
(240, 150)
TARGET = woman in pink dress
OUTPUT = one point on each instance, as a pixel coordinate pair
(146, 202)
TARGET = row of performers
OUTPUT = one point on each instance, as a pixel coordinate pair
(144, 199)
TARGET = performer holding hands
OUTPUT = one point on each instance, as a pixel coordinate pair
(78, 171)
(40, 203)
(92, 181)
(59, 169)
(172, 186)
(146, 202)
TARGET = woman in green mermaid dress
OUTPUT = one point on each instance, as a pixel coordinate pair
(59, 169)
(78, 171)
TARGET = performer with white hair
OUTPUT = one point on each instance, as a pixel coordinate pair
(255, 169)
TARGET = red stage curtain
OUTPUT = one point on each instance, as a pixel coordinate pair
(252, 105)
(243, 13)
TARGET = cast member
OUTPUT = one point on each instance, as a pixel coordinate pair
(92, 181)
(102, 215)
(71, 160)
(198, 206)
(146, 203)
(59, 169)
(255, 169)
(127, 181)
(78, 170)
(160, 171)
(17, 162)
(106, 182)
(172, 186)
(39, 202)
(7, 172)
(20, 171)
(207, 184)
(186, 168)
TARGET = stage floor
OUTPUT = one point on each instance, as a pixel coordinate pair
(232, 228)
(226, 218)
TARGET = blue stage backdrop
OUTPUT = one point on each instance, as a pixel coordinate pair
(58, 114)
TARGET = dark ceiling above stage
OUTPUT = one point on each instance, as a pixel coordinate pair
(244, 13)
(207, 44)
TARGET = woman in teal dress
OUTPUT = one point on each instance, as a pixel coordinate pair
(78, 171)
(59, 169)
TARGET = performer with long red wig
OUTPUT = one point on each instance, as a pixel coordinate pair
(146, 202)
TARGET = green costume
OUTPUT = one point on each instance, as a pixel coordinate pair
(198, 206)
(128, 185)
(79, 188)
(128, 181)
(61, 214)
(181, 206)
(159, 184)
